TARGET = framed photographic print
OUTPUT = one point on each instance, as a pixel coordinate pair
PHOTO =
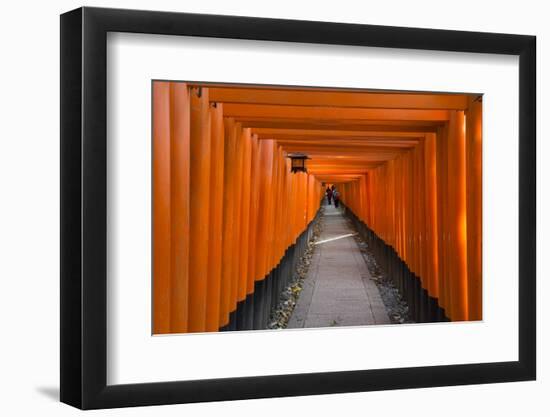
(256, 208)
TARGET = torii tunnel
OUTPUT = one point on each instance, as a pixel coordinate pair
(231, 221)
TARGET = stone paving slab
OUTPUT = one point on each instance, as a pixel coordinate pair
(331, 320)
(338, 289)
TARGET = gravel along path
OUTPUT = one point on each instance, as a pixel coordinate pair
(281, 315)
(397, 308)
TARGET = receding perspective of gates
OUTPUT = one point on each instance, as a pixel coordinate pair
(296, 207)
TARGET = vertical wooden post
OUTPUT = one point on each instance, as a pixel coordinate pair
(237, 193)
(228, 242)
(423, 248)
(441, 170)
(180, 205)
(430, 167)
(272, 191)
(280, 192)
(254, 208)
(162, 209)
(269, 182)
(266, 159)
(245, 214)
(457, 216)
(216, 219)
(474, 215)
(171, 206)
(199, 194)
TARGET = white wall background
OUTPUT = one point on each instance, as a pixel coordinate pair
(29, 213)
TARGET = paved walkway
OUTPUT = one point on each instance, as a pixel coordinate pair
(338, 289)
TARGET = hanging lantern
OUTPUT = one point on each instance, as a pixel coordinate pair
(298, 162)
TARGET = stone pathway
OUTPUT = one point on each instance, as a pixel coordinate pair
(338, 289)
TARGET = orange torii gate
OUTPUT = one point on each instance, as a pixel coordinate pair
(229, 218)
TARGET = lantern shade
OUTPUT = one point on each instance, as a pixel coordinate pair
(298, 162)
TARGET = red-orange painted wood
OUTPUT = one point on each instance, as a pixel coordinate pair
(226, 206)
(255, 170)
(457, 212)
(427, 205)
(474, 213)
(199, 192)
(179, 205)
(245, 214)
(171, 214)
(161, 214)
(228, 238)
(215, 242)
(266, 162)
(430, 172)
(236, 194)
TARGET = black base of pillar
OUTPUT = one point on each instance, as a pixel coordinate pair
(254, 312)
(423, 308)
(245, 313)
(258, 310)
(232, 325)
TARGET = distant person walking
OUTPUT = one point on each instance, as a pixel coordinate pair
(336, 196)
(329, 196)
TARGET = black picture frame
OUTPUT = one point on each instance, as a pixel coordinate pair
(84, 207)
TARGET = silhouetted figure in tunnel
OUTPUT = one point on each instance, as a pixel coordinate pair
(329, 196)
(336, 196)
